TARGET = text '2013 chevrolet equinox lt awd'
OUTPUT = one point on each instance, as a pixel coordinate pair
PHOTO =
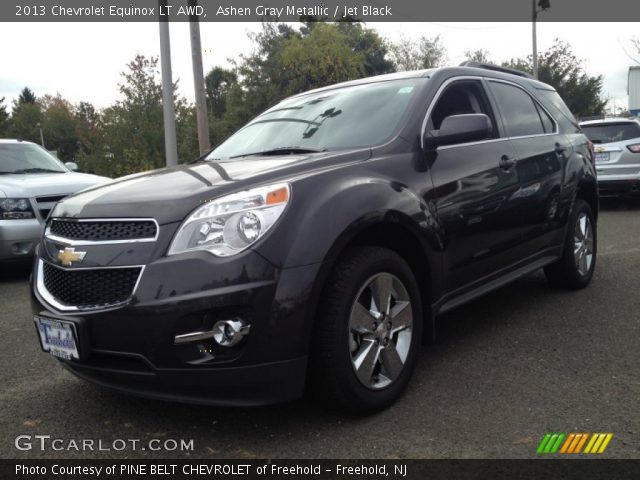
(317, 244)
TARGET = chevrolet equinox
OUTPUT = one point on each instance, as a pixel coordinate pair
(317, 244)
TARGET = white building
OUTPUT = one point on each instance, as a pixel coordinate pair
(633, 90)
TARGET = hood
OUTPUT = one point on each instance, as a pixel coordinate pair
(42, 184)
(169, 194)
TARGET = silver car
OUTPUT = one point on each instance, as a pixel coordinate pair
(31, 182)
(617, 153)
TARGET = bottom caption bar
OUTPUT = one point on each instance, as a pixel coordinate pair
(319, 469)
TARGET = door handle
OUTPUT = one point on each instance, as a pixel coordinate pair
(506, 163)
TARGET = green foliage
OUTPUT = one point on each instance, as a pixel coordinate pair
(418, 54)
(26, 96)
(4, 119)
(479, 55)
(24, 122)
(59, 126)
(560, 68)
(321, 58)
(218, 82)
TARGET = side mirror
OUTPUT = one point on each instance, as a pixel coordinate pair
(469, 127)
(73, 166)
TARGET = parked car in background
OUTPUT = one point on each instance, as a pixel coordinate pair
(617, 153)
(32, 181)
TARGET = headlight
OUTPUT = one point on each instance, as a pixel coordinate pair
(15, 208)
(230, 224)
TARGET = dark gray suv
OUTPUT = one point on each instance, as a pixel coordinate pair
(318, 243)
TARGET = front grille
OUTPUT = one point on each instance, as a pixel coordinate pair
(90, 288)
(50, 198)
(101, 230)
(46, 203)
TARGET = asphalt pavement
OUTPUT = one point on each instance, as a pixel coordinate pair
(506, 369)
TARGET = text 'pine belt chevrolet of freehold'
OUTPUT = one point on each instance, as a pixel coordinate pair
(315, 246)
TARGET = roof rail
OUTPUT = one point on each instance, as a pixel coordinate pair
(496, 68)
(591, 117)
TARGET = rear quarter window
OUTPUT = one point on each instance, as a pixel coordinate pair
(554, 103)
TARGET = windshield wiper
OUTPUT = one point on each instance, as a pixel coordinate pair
(282, 151)
(36, 170)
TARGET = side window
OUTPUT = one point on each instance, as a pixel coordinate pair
(520, 112)
(463, 96)
(547, 121)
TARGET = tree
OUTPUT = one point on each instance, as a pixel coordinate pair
(218, 82)
(321, 58)
(24, 122)
(418, 54)
(367, 42)
(480, 55)
(4, 119)
(561, 69)
(133, 127)
(26, 96)
(59, 126)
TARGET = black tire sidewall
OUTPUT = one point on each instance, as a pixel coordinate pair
(354, 394)
(579, 280)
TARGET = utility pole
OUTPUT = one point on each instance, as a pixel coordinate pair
(39, 125)
(544, 5)
(168, 109)
(198, 82)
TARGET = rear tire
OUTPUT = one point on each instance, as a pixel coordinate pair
(575, 268)
(367, 332)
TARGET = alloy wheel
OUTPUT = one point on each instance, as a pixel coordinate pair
(380, 331)
(583, 244)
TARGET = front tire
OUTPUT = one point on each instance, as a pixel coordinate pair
(575, 268)
(367, 332)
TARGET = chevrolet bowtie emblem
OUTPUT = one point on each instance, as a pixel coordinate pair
(67, 256)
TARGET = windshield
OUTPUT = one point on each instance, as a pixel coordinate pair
(28, 158)
(611, 132)
(343, 118)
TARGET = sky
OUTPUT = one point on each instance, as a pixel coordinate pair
(83, 61)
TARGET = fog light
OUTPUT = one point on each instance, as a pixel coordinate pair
(228, 333)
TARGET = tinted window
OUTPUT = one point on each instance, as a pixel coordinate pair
(348, 117)
(554, 103)
(519, 110)
(547, 121)
(611, 132)
(461, 97)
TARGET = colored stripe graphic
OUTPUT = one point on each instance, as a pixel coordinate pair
(573, 443)
(568, 442)
(598, 442)
(543, 443)
(550, 443)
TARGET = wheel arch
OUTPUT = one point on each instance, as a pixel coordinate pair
(395, 231)
(588, 191)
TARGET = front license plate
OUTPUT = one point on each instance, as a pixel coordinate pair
(602, 157)
(57, 337)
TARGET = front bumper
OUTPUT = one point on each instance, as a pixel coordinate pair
(132, 348)
(18, 238)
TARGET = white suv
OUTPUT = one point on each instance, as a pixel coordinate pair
(616, 143)
(32, 181)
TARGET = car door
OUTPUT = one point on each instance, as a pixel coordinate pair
(541, 153)
(472, 186)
